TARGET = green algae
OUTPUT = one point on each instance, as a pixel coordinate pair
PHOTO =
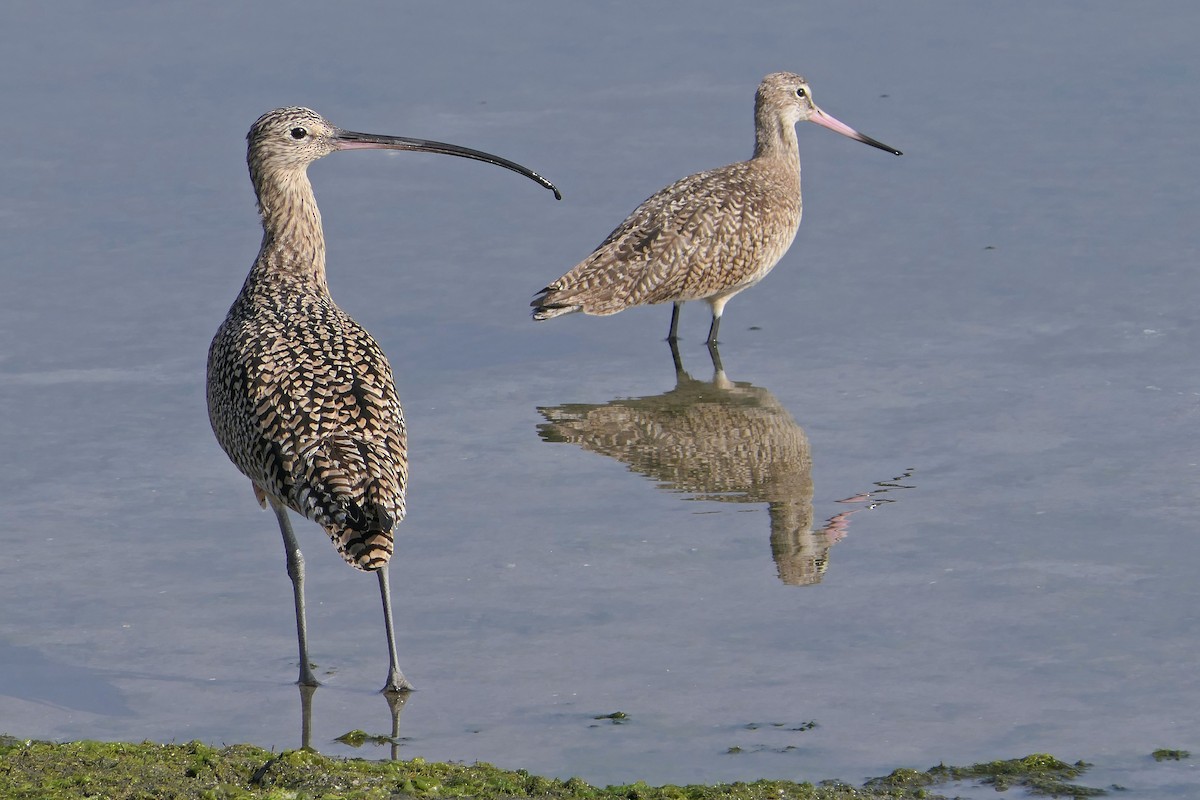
(357, 738)
(1163, 754)
(771, 730)
(616, 718)
(195, 771)
(1038, 774)
(803, 726)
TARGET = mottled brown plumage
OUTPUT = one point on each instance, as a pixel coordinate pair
(723, 441)
(300, 396)
(709, 235)
(718, 440)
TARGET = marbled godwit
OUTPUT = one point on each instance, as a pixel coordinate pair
(300, 397)
(716, 440)
(721, 441)
(709, 235)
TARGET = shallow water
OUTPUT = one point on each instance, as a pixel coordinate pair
(1001, 320)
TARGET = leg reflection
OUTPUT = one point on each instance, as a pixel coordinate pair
(306, 696)
(356, 738)
(396, 701)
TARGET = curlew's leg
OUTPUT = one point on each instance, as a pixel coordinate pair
(396, 682)
(396, 701)
(295, 568)
(673, 336)
(306, 695)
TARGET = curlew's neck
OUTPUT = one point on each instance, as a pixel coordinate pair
(293, 244)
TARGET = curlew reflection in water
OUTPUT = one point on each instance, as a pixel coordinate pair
(355, 738)
(719, 440)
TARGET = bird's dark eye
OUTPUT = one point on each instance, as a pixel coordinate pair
(799, 93)
(298, 133)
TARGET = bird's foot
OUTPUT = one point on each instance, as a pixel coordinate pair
(307, 678)
(397, 684)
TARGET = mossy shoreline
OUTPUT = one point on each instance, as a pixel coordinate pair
(123, 771)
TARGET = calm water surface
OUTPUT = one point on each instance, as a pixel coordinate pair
(1001, 322)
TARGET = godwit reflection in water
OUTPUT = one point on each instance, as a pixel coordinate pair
(719, 440)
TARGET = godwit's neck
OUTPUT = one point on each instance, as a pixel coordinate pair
(293, 244)
(774, 136)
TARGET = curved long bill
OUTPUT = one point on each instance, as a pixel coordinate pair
(826, 121)
(352, 140)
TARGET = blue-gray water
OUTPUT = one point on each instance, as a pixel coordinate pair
(1007, 312)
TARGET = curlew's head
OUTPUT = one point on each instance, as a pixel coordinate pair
(788, 98)
(289, 139)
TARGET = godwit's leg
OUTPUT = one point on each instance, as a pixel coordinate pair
(715, 354)
(396, 682)
(679, 372)
(718, 307)
(673, 335)
(295, 568)
(712, 330)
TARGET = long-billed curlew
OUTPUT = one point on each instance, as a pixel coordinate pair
(300, 397)
(709, 235)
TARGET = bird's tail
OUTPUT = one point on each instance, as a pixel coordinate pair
(357, 499)
(551, 303)
(366, 550)
(366, 535)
